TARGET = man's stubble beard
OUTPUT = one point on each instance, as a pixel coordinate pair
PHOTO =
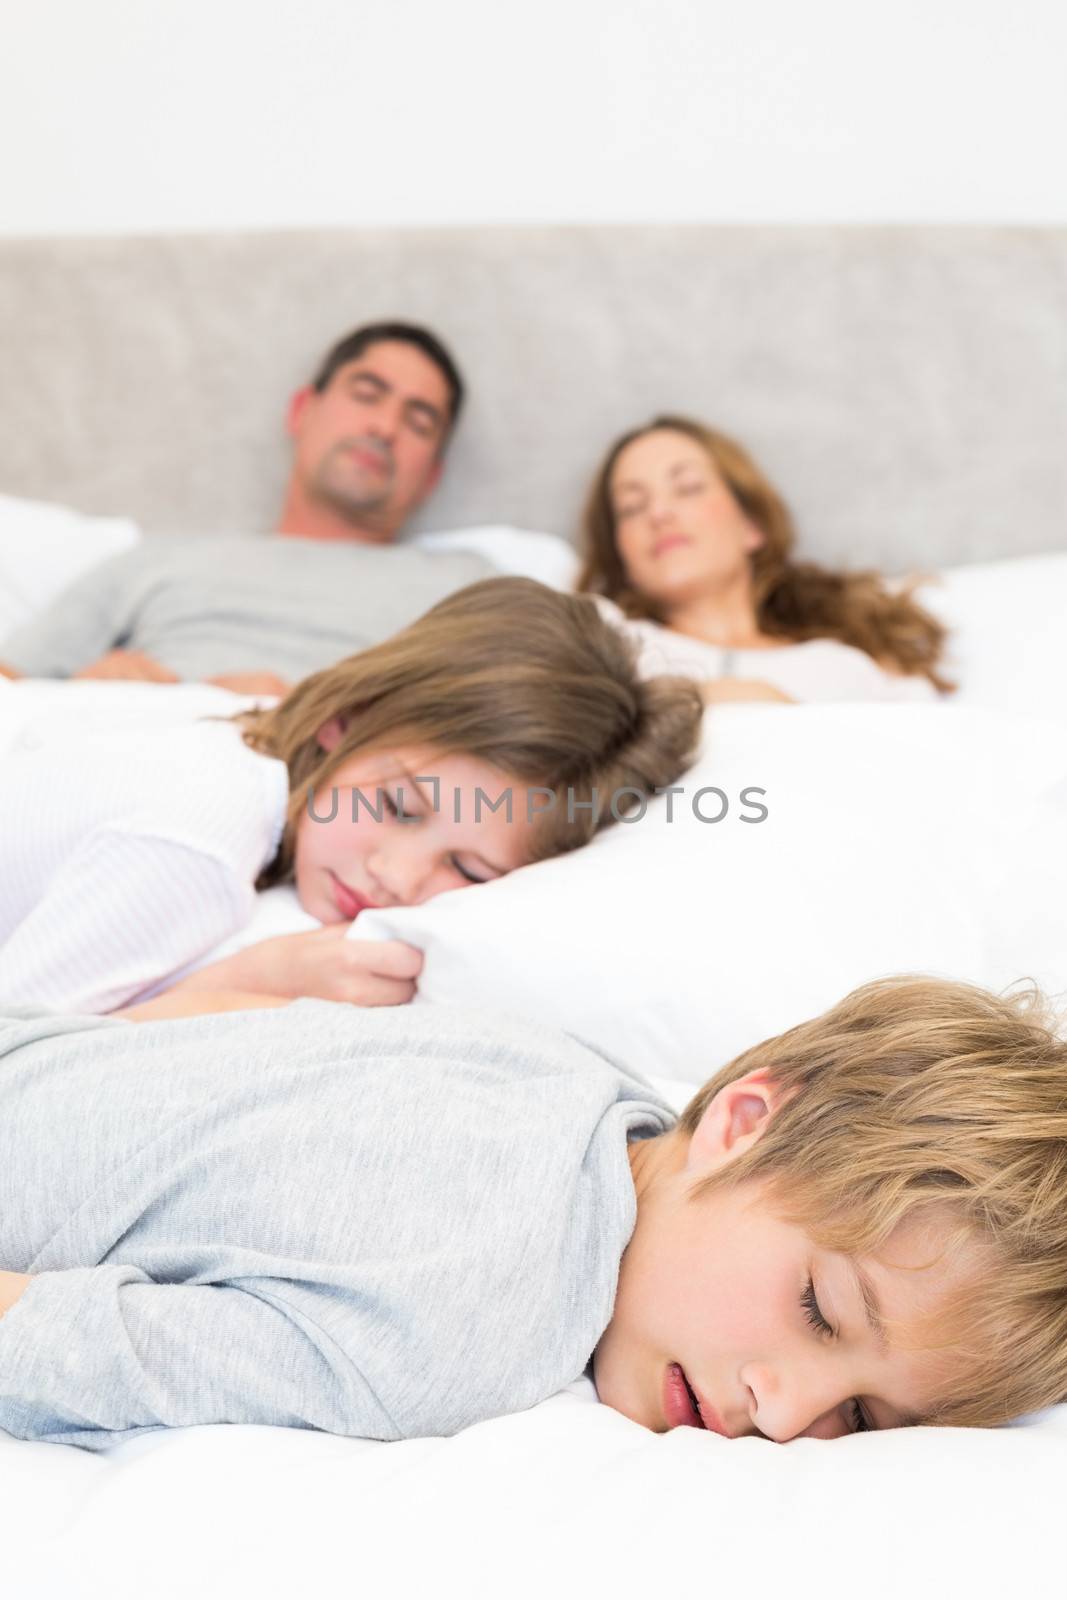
(344, 487)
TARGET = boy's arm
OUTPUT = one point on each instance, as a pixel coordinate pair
(91, 1355)
(12, 1285)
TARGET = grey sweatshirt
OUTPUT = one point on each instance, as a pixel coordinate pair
(381, 1223)
(208, 606)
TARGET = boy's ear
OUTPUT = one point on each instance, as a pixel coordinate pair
(732, 1122)
(331, 733)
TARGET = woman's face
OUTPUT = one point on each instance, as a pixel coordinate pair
(396, 827)
(680, 534)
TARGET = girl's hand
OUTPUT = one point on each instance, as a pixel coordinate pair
(322, 964)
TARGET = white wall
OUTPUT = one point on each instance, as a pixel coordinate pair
(120, 115)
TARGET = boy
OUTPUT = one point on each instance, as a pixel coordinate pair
(387, 1223)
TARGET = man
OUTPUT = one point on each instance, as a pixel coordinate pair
(369, 434)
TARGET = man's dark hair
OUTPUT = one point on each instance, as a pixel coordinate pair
(353, 345)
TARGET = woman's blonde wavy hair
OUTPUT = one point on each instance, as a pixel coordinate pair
(794, 599)
(532, 681)
(917, 1098)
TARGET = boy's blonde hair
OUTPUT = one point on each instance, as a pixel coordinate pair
(532, 681)
(917, 1098)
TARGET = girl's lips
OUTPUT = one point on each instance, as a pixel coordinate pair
(347, 901)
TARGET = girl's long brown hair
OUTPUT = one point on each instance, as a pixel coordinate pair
(794, 599)
(534, 682)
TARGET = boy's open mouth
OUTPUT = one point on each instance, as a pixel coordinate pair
(680, 1402)
(693, 1399)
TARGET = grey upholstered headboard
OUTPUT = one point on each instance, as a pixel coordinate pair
(905, 387)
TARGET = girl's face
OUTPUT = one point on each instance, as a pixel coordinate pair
(679, 531)
(395, 827)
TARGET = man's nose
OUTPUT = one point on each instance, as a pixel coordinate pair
(385, 419)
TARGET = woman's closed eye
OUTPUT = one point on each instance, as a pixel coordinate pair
(861, 1423)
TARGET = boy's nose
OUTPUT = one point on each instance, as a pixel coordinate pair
(797, 1407)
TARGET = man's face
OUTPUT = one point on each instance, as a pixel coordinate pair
(369, 445)
(720, 1297)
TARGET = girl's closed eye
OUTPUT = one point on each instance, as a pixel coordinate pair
(395, 803)
(464, 872)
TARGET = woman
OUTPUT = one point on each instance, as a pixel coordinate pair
(688, 539)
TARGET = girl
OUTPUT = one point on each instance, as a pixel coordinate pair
(440, 759)
(683, 530)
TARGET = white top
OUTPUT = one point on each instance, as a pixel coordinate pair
(817, 669)
(126, 856)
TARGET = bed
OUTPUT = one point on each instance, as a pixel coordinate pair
(906, 386)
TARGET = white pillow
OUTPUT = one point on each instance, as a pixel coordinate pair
(1009, 643)
(43, 548)
(899, 838)
(517, 551)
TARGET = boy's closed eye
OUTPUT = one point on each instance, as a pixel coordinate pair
(861, 1423)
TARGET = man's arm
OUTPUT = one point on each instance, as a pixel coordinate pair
(12, 1285)
(89, 618)
(128, 666)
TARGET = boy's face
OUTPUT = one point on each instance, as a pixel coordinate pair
(723, 1290)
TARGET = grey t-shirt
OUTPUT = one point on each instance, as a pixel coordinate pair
(381, 1223)
(208, 606)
